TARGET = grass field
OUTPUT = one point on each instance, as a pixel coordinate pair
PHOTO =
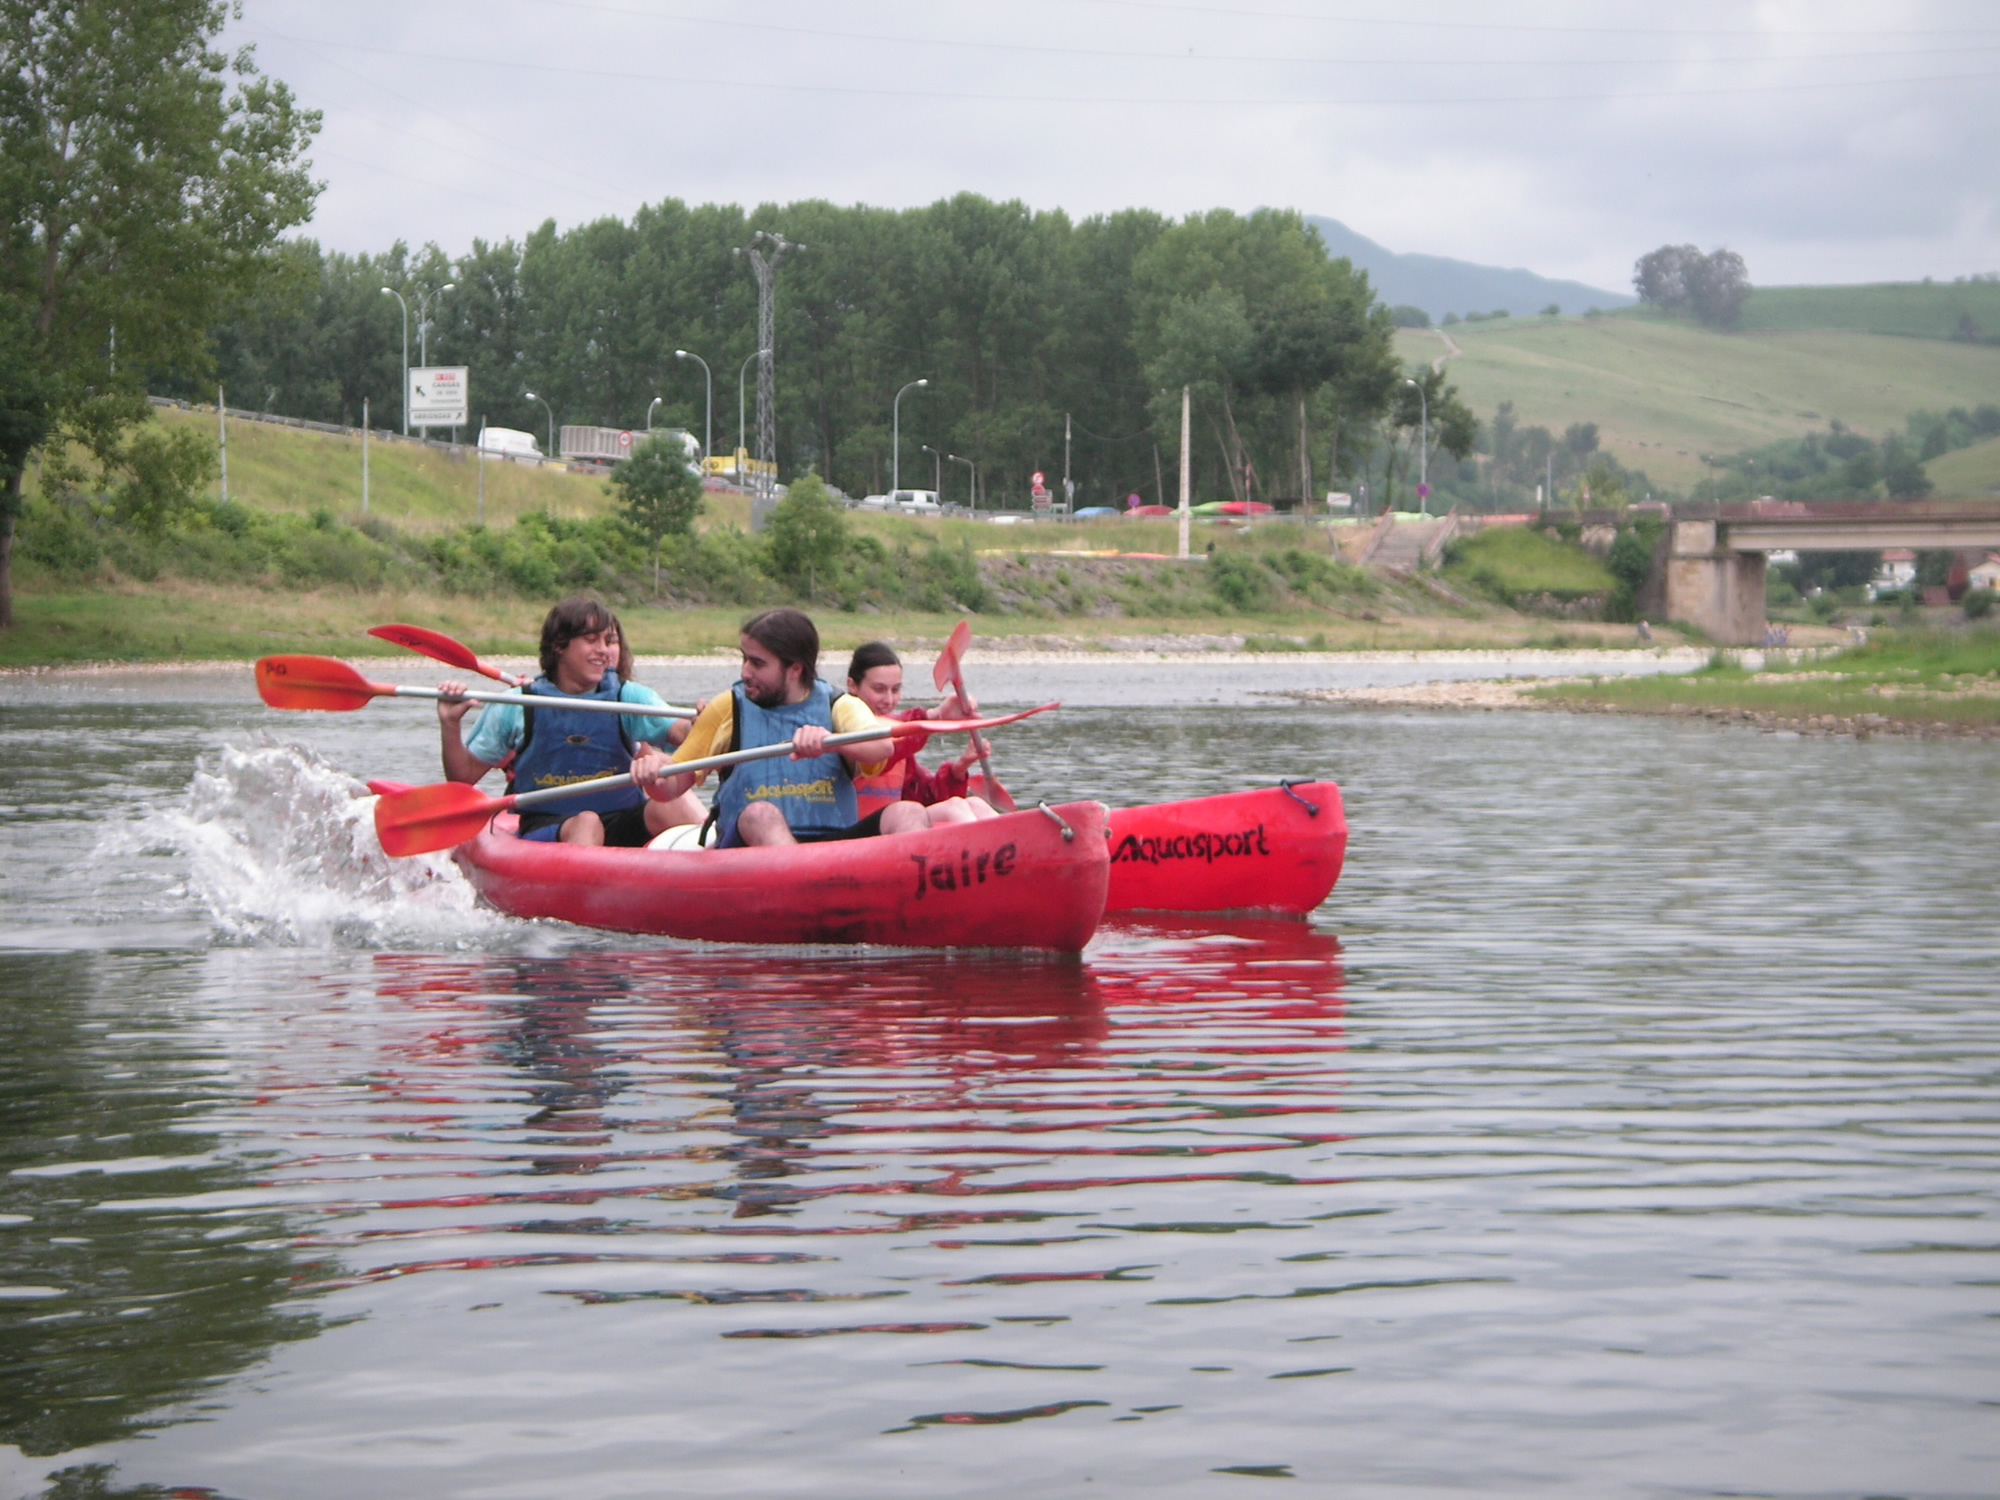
(1950, 678)
(289, 469)
(1665, 393)
(1908, 309)
(1973, 473)
(1514, 562)
(186, 622)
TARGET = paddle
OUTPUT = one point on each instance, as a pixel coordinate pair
(424, 819)
(948, 669)
(439, 647)
(320, 682)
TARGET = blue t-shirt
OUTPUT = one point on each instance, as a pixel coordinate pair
(499, 730)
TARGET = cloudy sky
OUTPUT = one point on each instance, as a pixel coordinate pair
(1826, 140)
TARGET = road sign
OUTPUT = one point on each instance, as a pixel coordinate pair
(1423, 492)
(1041, 480)
(438, 397)
(625, 441)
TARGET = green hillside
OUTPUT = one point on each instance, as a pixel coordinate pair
(294, 470)
(1664, 393)
(1910, 309)
(1969, 474)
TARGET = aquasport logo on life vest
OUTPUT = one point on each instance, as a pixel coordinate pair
(802, 791)
(1206, 847)
(969, 870)
(550, 778)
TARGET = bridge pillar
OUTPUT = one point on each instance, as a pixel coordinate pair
(1713, 587)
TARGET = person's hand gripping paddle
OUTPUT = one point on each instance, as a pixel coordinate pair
(424, 819)
(439, 647)
(950, 671)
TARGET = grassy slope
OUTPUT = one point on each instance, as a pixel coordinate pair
(1971, 472)
(1665, 393)
(1922, 678)
(1516, 562)
(420, 489)
(1911, 309)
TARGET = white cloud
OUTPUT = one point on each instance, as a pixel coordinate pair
(1831, 141)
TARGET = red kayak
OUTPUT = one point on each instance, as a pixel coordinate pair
(1028, 880)
(1278, 849)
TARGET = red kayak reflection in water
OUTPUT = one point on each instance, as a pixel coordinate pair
(819, 1088)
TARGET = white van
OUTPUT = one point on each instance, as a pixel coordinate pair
(507, 442)
(914, 502)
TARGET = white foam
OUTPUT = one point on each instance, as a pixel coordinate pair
(280, 850)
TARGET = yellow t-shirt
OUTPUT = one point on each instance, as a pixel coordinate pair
(713, 726)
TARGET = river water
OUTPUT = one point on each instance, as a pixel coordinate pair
(1626, 1124)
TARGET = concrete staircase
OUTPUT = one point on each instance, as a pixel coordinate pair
(1402, 546)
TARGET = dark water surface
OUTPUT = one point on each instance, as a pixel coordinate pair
(1628, 1123)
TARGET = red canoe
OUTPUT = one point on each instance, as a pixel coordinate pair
(1278, 849)
(1019, 881)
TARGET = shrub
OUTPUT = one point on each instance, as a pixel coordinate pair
(1977, 603)
(1238, 581)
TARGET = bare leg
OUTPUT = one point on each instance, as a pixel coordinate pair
(981, 808)
(762, 825)
(951, 810)
(905, 817)
(585, 829)
(686, 808)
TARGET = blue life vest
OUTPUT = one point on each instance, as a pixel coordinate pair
(559, 746)
(812, 794)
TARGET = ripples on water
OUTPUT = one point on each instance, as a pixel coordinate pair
(1625, 1125)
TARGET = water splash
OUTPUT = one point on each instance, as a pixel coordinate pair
(280, 850)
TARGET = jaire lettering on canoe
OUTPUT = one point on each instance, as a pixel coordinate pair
(1206, 847)
(967, 870)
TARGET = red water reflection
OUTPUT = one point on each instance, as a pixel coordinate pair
(1176, 1051)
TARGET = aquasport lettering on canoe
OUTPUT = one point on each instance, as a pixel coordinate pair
(1207, 847)
(971, 870)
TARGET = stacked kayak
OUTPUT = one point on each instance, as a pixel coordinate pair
(1028, 880)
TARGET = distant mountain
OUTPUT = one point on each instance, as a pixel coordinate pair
(1440, 285)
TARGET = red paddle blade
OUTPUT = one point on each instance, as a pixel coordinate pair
(425, 819)
(389, 788)
(314, 682)
(437, 646)
(946, 667)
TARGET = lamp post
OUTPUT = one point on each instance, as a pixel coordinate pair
(937, 483)
(649, 412)
(896, 434)
(1423, 450)
(972, 473)
(741, 450)
(389, 291)
(708, 430)
(552, 420)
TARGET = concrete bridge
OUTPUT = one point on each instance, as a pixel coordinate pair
(1709, 571)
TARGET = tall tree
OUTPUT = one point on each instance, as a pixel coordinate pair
(145, 178)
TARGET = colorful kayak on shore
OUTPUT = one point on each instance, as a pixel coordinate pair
(1027, 880)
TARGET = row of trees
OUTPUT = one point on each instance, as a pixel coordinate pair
(1017, 319)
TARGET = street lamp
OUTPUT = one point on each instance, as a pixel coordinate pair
(741, 450)
(1423, 450)
(896, 434)
(649, 412)
(937, 484)
(972, 473)
(552, 420)
(389, 291)
(708, 430)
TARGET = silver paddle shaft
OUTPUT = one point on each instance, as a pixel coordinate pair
(544, 700)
